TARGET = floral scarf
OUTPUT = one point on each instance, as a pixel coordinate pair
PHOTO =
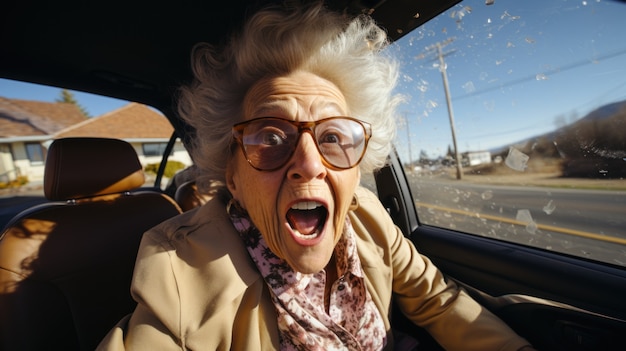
(353, 321)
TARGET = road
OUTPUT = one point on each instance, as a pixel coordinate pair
(588, 223)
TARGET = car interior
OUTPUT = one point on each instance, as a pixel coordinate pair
(66, 265)
(70, 259)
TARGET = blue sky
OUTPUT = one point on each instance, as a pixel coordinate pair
(94, 104)
(515, 69)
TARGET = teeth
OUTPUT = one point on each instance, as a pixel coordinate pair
(306, 236)
(306, 205)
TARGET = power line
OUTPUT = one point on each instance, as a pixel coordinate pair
(546, 73)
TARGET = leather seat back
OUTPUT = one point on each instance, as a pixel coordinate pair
(189, 197)
(66, 265)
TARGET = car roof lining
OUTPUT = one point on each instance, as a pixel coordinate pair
(139, 53)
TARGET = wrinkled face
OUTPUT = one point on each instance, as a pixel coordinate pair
(301, 207)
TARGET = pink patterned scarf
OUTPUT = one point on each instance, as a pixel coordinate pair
(353, 321)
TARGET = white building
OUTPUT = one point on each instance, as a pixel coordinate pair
(475, 158)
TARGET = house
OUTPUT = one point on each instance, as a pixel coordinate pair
(25, 128)
(28, 127)
(147, 130)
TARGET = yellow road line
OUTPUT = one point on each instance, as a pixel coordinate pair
(574, 232)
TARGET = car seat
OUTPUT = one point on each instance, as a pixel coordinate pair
(189, 197)
(66, 265)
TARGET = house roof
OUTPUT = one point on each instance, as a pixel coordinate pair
(132, 121)
(36, 118)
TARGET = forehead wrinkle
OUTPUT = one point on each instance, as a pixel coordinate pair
(294, 98)
(295, 107)
(270, 108)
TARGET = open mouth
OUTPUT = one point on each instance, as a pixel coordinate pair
(307, 218)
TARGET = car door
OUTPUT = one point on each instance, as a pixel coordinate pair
(510, 163)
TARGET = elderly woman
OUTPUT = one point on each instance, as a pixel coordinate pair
(293, 255)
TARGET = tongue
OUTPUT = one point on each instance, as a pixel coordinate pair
(304, 221)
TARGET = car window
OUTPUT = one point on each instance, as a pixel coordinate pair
(514, 123)
(32, 116)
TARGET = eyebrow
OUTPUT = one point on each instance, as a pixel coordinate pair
(270, 107)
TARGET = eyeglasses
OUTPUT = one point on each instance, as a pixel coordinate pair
(269, 142)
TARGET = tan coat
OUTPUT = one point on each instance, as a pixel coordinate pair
(197, 288)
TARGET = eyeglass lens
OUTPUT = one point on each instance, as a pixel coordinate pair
(270, 142)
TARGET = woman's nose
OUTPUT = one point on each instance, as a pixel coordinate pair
(306, 162)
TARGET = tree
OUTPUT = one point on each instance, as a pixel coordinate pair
(68, 97)
(423, 157)
(450, 153)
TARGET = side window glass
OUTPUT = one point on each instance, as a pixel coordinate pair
(514, 126)
(33, 115)
(34, 153)
(154, 149)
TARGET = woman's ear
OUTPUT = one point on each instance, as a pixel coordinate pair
(230, 178)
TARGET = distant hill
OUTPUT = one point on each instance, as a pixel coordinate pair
(593, 146)
(606, 111)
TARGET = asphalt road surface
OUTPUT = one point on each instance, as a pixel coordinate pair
(587, 223)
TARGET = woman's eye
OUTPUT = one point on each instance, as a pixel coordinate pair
(330, 138)
(272, 139)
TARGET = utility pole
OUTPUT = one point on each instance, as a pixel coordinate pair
(442, 68)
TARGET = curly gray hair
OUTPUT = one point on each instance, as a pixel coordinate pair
(278, 41)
